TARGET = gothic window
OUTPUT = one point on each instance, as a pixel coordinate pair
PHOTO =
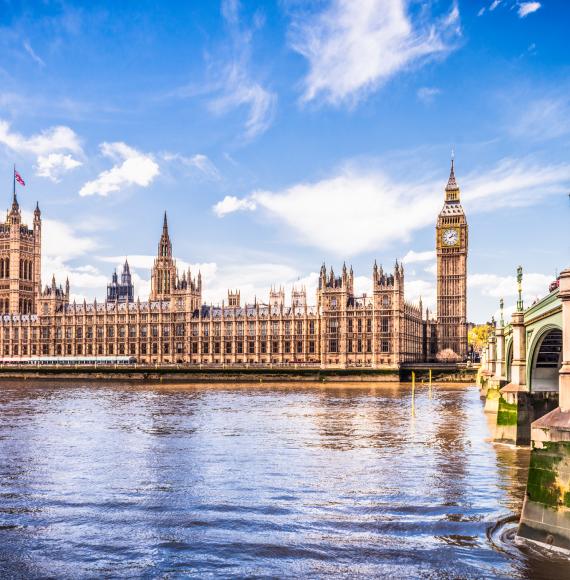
(333, 346)
(299, 346)
(312, 327)
(312, 346)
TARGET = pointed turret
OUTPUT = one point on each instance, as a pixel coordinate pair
(165, 246)
(452, 189)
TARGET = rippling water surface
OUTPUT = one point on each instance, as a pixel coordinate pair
(118, 480)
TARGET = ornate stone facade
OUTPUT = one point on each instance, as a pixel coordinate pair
(174, 326)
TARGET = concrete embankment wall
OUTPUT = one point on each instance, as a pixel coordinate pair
(197, 375)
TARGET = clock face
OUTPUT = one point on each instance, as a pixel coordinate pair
(450, 237)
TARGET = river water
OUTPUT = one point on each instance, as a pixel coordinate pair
(283, 481)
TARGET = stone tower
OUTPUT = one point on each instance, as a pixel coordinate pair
(123, 291)
(451, 245)
(163, 277)
(165, 283)
(20, 262)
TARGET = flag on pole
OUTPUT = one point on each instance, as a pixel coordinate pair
(18, 178)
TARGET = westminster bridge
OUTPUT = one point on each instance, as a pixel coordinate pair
(525, 379)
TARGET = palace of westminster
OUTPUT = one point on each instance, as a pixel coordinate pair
(174, 326)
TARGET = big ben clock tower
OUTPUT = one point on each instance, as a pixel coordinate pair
(451, 245)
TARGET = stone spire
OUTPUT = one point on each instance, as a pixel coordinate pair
(451, 183)
(165, 247)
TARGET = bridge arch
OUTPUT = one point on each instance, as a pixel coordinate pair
(545, 359)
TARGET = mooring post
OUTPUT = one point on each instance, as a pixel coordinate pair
(413, 393)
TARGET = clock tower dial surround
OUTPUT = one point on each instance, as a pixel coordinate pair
(451, 250)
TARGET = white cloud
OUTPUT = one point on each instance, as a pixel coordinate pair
(534, 286)
(53, 147)
(28, 48)
(131, 167)
(526, 8)
(58, 138)
(494, 4)
(62, 244)
(412, 256)
(358, 209)
(428, 94)
(352, 48)
(54, 165)
(416, 289)
(230, 204)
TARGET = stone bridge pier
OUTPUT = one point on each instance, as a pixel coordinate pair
(546, 511)
(524, 386)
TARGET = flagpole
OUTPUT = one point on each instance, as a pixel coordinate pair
(14, 177)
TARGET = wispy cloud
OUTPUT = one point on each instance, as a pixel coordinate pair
(198, 161)
(352, 48)
(526, 8)
(359, 209)
(237, 89)
(523, 9)
(28, 48)
(428, 94)
(233, 85)
(132, 167)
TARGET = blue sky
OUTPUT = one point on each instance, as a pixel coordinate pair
(281, 134)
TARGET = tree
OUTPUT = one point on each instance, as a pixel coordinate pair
(478, 336)
(447, 356)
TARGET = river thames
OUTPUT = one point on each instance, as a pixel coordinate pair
(100, 480)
